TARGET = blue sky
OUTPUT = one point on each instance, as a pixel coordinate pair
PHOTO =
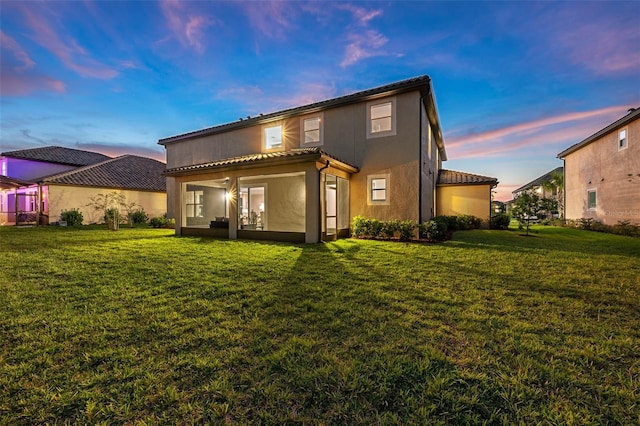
(515, 82)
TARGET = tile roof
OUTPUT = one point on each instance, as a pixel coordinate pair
(7, 182)
(262, 158)
(538, 181)
(124, 172)
(397, 87)
(58, 155)
(451, 177)
(633, 114)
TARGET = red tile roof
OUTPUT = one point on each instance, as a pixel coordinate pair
(451, 177)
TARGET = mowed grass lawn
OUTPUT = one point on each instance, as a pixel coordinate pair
(142, 327)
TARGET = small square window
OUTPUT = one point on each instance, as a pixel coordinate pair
(311, 130)
(273, 137)
(591, 200)
(622, 139)
(378, 189)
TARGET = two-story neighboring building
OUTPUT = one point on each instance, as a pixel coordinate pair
(302, 174)
(602, 173)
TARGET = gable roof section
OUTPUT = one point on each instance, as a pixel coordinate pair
(538, 181)
(633, 114)
(452, 177)
(58, 155)
(265, 159)
(421, 83)
(124, 172)
(7, 182)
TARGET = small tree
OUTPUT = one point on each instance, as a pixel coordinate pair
(526, 208)
(109, 206)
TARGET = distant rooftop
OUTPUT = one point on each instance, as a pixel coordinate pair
(58, 155)
(538, 181)
(451, 177)
(124, 172)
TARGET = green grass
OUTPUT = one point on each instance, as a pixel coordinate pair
(141, 327)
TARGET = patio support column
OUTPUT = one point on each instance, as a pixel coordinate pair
(312, 208)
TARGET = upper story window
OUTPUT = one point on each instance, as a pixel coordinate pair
(3, 167)
(273, 137)
(381, 118)
(623, 143)
(311, 130)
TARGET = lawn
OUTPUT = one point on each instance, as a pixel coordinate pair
(142, 327)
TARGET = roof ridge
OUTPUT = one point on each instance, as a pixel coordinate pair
(79, 169)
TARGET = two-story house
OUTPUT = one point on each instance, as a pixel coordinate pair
(303, 173)
(602, 173)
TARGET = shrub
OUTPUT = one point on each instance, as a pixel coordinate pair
(73, 217)
(433, 230)
(500, 221)
(138, 216)
(360, 226)
(112, 218)
(406, 228)
(162, 222)
(390, 227)
(375, 228)
(624, 227)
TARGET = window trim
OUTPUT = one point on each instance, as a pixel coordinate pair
(595, 206)
(303, 133)
(626, 139)
(370, 189)
(195, 204)
(370, 133)
(264, 137)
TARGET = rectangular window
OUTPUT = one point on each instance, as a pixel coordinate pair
(195, 203)
(622, 139)
(381, 118)
(311, 130)
(4, 167)
(273, 137)
(378, 189)
(591, 200)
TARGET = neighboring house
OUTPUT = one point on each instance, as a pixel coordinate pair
(302, 174)
(540, 186)
(37, 184)
(602, 173)
(459, 193)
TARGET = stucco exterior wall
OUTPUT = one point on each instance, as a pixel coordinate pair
(456, 200)
(63, 197)
(614, 175)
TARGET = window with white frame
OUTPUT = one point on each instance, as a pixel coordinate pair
(312, 130)
(623, 143)
(195, 203)
(592, 199)
(378, 188)
(273, 137)
(381, 118)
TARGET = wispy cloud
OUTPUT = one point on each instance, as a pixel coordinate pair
(545, 131)
(17, 73)
(187, 26)
(363, 42)
(19, 54)
(65, 48)
(270, 18)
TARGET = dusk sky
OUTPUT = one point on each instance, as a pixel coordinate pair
(515, 82)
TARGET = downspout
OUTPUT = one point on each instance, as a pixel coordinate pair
(420, 160)
(320, 200)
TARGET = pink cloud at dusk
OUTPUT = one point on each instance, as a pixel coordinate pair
(10, 44)
(68, 51)
(187, 26)
(362, 15)
(269, 18)
(363, 46)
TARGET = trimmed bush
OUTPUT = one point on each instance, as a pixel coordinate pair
(500, 221)
(162, 222)
(139, 216)
(406, 228)
(73, 217)
(433, 230)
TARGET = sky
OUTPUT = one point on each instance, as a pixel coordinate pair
(515, 82)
